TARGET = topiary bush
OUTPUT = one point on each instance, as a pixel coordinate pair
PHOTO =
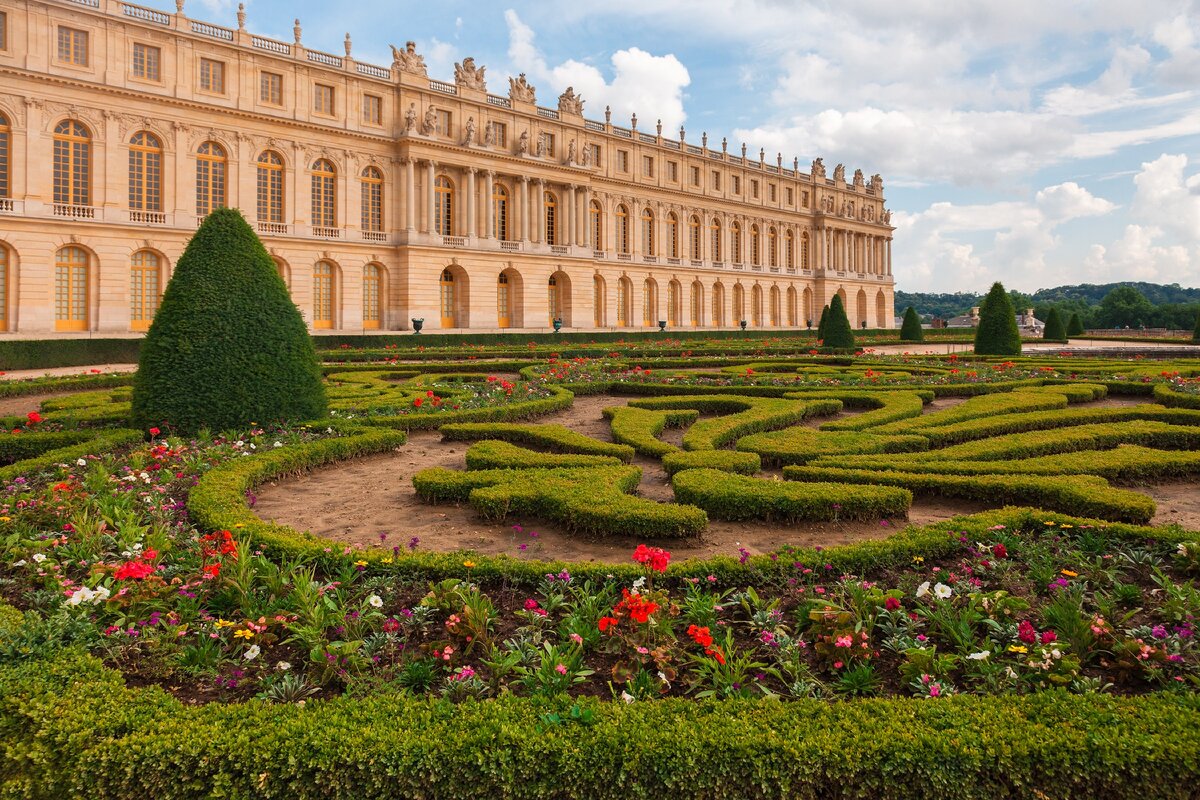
(838, 335)
(911, 331)
(1075, 325)
(997, 334)
(821, 324)
(1054, 331)
(228, 346)
(1196, 333)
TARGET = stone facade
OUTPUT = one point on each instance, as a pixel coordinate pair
(385, 195)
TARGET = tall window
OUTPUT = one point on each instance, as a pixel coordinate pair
(143, 289)
(672, 235)
(548, 144)
(694, 237)
(772, 248)
(270, 187)
(598, 301)
(775, 314)
(72, 164)
(372, 109)
(649, 302)
(716, 239)
(447, 299)
(735, 243)
(443, 206)
(624, 300)
(372, 297)
(718, 305)
(72, 46)
(804, 250)
(5, 138)
(673, 303)
(697, 304)
(372, 200)
(622, 230)
(212, 76)
(739, 303)
(210, 178)
(323, 99)
(270, 88)
(147, 62)
(3, 288)
(648, 232)
(755, 247)
(145, 172)
(323, 299)
(3, 30)
(756, 306)
(503, 302)
(324, 195)
(550, 203)
(499, 212)
(71, 289)
(597, 226)
(553, 299)
(789, 250)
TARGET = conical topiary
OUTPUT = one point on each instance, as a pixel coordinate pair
(997, 334)
(838, 335)
(821, 324)
(1196, 333)
(911, 331)
(1075, 326)
(228, 346)
(1054, 330)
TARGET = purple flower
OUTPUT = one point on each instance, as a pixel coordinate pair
(743, 555)
(413, 542)
(1159, 632)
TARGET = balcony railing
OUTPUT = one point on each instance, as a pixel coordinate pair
(148, 217)
(327, 233)
(496, 100)
(374, 236)
(147, 14)
(547, 113)
(273, 228)
(263, 43)
(598, 254)
(215, 31)
(324, 58)
(560, 249)
(74, 212)
(443, 87)
(454, 241)
(7, 205)
(373, 71)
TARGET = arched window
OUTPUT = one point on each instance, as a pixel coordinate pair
(716, 239)
(4, 282)
(624, 301)
(597, 226)
(5, 158)
(72, 164)
(145, 172)
(804, 250)
(772, 248)
(776, 316)
(372, 293)
(649, 302)
(622, 230)
(503, 302)
(144, 291)
(756, 309)
(71, 268)
(735, 243)
(210, 178)
(554, 299)
(755, 248)
(324, 287)
(598, 301)
(447, 299)
(285, 272)
(789, 250)
(694, 238)
(500, 212)
(443, 206)
(648, 232)
(270, 187)
(718, 305)
(697, 304)
(739, 303)
(674, 303)
(672, 235)
(550, 207)
(324, 195)
(372, 200)
(793, 312)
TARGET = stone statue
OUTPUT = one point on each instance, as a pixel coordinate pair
(410, 118)
(468, 75)
(587, 156)
(858, 178)
(541, 147)
(876, 184)
(839, 173)
(520, 90)
(296, 31)
(887, 217)
(241, 15)
(470, 129)
(348, 44)
(489, 135)
(429, 125)
(850, 209)
(572, 153)
(523, 144)
(407, 60)
(818, 169)
(570, 103)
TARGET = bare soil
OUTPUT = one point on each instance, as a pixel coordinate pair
(1178, 503)
(23, 404)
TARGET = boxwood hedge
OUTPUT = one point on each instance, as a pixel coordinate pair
(737, 497)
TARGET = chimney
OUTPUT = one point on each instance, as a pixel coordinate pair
(975, 311)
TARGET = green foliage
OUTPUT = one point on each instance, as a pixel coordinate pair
(1125, 307)
(837, 333)
(640, 427)
(492, 454)
(66, 383)
(724, 460)
(1075, 325)
(96, 444)
(50, 353)
(799, 445)
(742, 415)
(557, 438)
(1196, 332)
(910, 330)
(1055, 330)
(997, 334)
(737, 497)
(228, 346)
(821, 325)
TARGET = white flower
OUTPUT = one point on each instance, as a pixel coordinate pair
(375, 600)
(1182, 549)
(81, 595)
(82, 462)
(982, 655)
(627, 697)
(278, 444)
(923, 589)
(1056, 653)
(282, 666)
(100, 595)
(252, 652)
(39, 557)
(20, 563)
(942, 591)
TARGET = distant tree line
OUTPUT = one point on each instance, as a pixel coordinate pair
(1110, 305)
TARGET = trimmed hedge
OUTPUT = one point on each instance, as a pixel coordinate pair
(97, 444)
(52, 353)
(1163, 393)
(1070, 494)
(493, 454)
(65, 383)
(884, 406)
(639, 427)
(723, 460)
(737, 497)
(910, 330)
(1041, 420)
(799, 445)
(986, 406)
(997, 334)
(593, 500)
(1100, 436)
(750, 415)
(553, 437)
(31, 443)
(560, 400)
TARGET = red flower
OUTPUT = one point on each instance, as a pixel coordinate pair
(133, 570)
(1026, 633)
(417, 402)
(34, 417)
(891, 604)
(1000, 551)
(1049, 636)
(154, 431)
(700, 636)
(717, 654)
(212, 570)
(654, 557)
(607, 622)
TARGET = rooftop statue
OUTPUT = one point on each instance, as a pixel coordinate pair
(408, 60)
(468, 75)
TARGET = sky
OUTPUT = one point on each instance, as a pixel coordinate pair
(1036, 142)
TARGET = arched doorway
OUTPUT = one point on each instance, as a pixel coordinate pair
(503, 302)
(325, 292)
(809, 318)
(718, 304)
(776, 315)
(453, 298)
(624, 302)
(792, 314)
(861, 303)
(558, 298)
(674, 303)
(697, 304)
(739, 304)
(756, 306)
(881, 320)
(649, 302)
(598, 295)
(374, 292)
(72, 289)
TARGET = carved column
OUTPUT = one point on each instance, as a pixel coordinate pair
(430, 168)
(524, 205)
(488, 211)
(889, 256)
(472, 203)
(410, 194)
(539, 210)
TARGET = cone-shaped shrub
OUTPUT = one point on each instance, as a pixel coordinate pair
(997, 334)
(1054, 329)
(1196, 333)
(821, 324)
(228, 346)
(1075, 326)
(837, 326)
(911, 331)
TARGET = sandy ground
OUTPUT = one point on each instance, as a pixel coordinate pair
(57, 372)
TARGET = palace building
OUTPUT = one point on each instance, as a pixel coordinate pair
(386, 195)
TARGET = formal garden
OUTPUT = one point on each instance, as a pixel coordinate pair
(713, 567)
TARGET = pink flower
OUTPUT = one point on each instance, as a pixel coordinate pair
(561, 669)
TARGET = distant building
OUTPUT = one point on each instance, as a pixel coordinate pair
(1027, 323)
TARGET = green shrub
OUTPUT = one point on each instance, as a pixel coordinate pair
(986, 427)
(822, 323)
(98, 443)
(639, 427)
(884, 407)
(997, 334)
(799, 445)
(228, 346)
(837, 333)
(1075, 325)
(737, 497)
(743, 415)
(1098, 436)
(1167, 396)
(50, 353)
(985, 406)
(66, 383)
(492, 454)
(1055, 330)
(27, 444)
(1196, 332)
(559, 400)
(910, 330)
(723, 460)
(553, 437)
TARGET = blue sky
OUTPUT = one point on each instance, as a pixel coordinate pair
(1036, 142)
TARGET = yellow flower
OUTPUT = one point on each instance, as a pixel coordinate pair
(1065, 526)
(1049, 522)
(243, 634)
(468, 564)
(360, 563)
(1069, 573)
(918, 560)
(387, 560)
(5, 519)
(240, 525)
(1018, 648)
(221, 623)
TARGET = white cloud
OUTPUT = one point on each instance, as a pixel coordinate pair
(1137, 257)
(1068, 201)
(1165, 197)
